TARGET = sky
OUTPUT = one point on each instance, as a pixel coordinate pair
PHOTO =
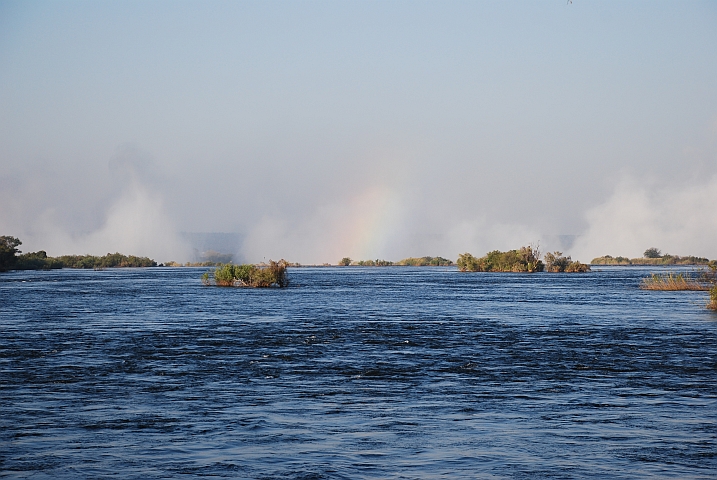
(370, 129)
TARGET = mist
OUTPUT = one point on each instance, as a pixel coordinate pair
(315, 131)
(676, 219)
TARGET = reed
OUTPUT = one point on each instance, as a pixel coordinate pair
(713, 298)
(671, 282)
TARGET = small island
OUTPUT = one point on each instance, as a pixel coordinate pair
(272, 274)
(523, 260)
(406, 262)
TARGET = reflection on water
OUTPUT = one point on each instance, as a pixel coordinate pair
(355, 373)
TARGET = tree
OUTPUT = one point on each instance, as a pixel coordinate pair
(652, 253)
(346, 261)
(8, 250)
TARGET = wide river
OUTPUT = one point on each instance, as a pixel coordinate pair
(355, 373)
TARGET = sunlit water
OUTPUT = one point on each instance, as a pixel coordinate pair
(355, 373)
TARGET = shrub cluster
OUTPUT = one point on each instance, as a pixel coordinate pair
(425, 262)
(230, 275)
(37, 261)
(373, 263)
(527, 259)
(111, 260)
(410, 261)
(556, 262)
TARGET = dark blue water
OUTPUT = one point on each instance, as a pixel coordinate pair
(355, 373)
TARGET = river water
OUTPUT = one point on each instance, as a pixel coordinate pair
(355, 373)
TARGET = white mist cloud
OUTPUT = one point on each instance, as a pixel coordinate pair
(138, 224)
(361, 227)
(480, 236)
(135, 224)
(681, 220)
(380, 222)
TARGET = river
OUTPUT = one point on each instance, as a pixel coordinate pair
(377, 372)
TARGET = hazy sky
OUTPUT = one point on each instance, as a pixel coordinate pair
(318, 130)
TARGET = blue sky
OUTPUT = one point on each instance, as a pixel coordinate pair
(370, 129)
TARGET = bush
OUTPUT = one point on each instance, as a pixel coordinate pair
(346, 261)
(577, 267)
(713, 298)
(8, 250)
(37, 261)
(555, 262)
(468, 263)
(652, 253)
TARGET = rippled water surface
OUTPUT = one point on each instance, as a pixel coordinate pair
(355, 373)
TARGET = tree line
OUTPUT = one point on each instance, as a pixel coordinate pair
(11, 258)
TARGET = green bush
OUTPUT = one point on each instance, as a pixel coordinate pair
(37, 261)
(8, 251)
(556, 262)
(468, 263)
(577, 267)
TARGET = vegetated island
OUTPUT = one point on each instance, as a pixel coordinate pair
(406, 262)
(10, 260)
(652, 256)
(525, 260)
(272, 274)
